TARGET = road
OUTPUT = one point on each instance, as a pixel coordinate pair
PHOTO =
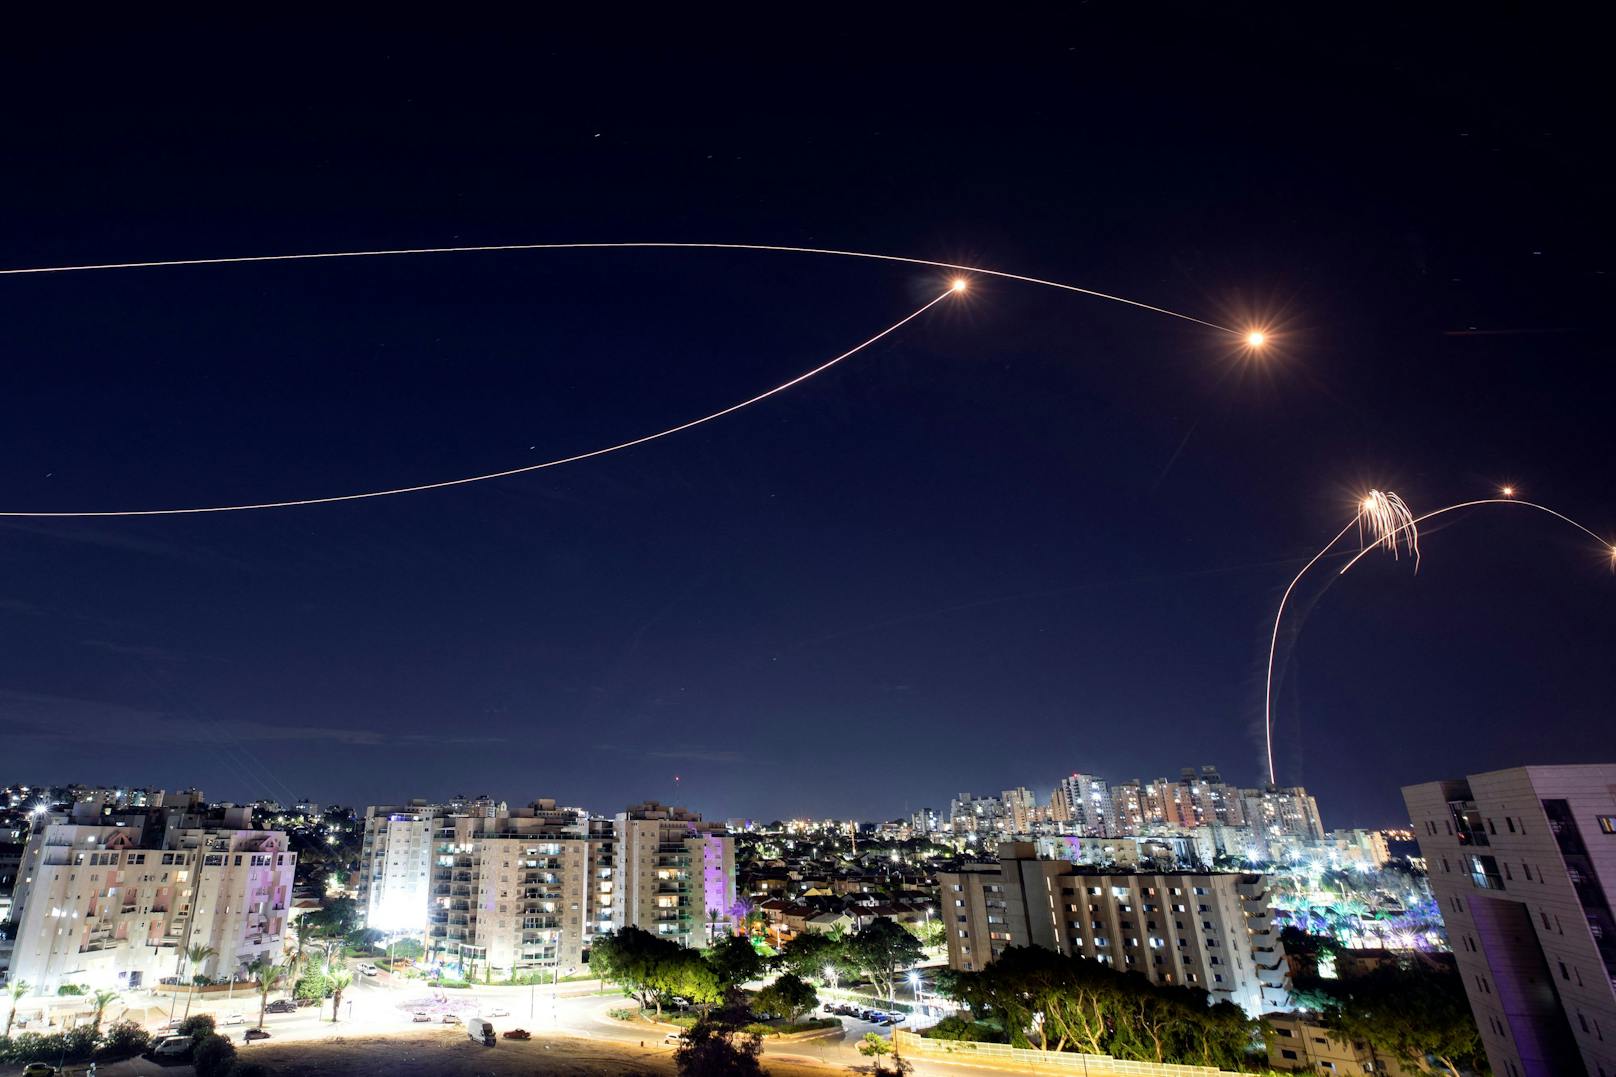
(572, 1033)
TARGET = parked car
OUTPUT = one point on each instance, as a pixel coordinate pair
(896, 1018)
(281, 1005)
(254, 1034)
(673, 1039)
(498, 1011)
(517, 1034)
(451, 1018)
(39, 1069)
(170, 1049)
(234, 1019)
(420, 1017)
(367, 969)
(480, 1031)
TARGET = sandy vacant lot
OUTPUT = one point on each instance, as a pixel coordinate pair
(444, 1053)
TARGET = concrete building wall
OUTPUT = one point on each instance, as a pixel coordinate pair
(1205, 930)
(1523, 864)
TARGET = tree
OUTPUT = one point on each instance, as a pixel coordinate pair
(124, 1039)
(103, 999)
(340, 979)
(214, 1055)
(685, 973)
(882, 950)
(194, 956)
(811, 954)
(790, 995)
(265, 974)
(878, 1048)
(930, 932)
(407, 949)
(635, 960)
(735, 960)
(337, 919)
(16, 990)
(1417, 1016)
(707, 1050)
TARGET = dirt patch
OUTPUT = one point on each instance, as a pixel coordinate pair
(449, 1053)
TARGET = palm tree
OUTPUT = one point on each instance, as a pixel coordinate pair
(340, 979)
(103, 999)
(265, 974)
(195, 955)
(17, 991)
(303, 928)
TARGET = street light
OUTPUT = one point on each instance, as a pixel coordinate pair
(914, 982)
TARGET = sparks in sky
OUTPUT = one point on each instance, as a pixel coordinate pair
(1384, 522)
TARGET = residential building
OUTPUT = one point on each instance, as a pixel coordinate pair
(1082, 802)
(518, 891)
(112, 899)
(1523, 864)
(1020, 809)
(675, 874)
(1302, 1043)
(1199, 929)
(395, 865)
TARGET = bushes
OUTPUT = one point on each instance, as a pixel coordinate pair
(123, 1039)
(198, 1024)
(77, 1045)
(958, 1028)
(620, 1014)
(451, 984)
(213, 1056)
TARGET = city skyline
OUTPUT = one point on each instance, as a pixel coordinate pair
(1028, 511)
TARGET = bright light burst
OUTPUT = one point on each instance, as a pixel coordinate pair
(1384, 520)
(1256, 338)
(959, 284)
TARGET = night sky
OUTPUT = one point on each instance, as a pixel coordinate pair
(1031, 533)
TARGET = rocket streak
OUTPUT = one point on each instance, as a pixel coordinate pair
(422, 487)
(1388, 522)
(1253, 340)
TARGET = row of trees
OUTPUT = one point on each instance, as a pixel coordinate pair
(1052, 1002)
(881, 952)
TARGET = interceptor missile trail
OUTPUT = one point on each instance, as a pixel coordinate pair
(954, 289)
(1252, 339)
(1384, 522)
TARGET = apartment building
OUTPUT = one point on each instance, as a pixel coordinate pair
(674, 873)
(1196, 929)
(113, 899)
(518, 892)
(1523, 864)
(1302, 1043)
(395, 865)
(1082, 802)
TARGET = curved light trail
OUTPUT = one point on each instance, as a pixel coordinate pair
(955, 288)
(1251, 339)
(1386, 534)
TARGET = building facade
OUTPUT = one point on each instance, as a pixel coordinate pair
(114, 899)
(1523, 864)
(395, 865)
(675, 874)
(518, 892)
(1206, 930)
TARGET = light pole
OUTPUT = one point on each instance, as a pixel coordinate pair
(914, 983)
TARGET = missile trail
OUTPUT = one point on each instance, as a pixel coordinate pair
(492, 248)
(954, 289)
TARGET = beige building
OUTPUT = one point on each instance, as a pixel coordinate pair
(1300, 1043)
(519, 892)
(1523, 863)
(113, 900)
(674, 873)
(1205, 930)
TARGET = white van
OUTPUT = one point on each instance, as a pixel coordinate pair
(172, 1047)
(480, 1031)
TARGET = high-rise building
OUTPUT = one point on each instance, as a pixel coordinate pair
(114, 899)
(675, 874)
(982, 816)
(518, 891)
(1523, 864)
(1199, 929)
(1087, 802)
(395, 865)
(1020, 809)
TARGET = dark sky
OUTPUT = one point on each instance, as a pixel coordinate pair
(1029, 534)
